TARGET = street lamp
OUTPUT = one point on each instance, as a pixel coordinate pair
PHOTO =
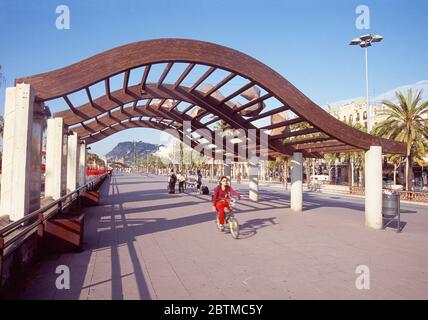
(366, 42)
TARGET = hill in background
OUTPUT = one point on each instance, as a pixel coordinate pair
(127, 151)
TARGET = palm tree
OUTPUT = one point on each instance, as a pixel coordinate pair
(404, 123)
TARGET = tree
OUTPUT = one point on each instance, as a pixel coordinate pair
(354, 159)
(95, 160)
(307, 163)
(395, 160)
(404, 122)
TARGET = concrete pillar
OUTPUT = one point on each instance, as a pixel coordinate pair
(82, 164)
(373, 188)
(296, 196)
(56, 160)
(21, 175)
(38, 126)
(73, 159)
(253, 179)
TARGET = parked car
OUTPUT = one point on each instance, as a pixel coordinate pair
(319, 177)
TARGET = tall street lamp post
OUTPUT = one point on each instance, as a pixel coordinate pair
(366, 42)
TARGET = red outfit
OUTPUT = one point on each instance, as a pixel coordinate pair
(221, 200)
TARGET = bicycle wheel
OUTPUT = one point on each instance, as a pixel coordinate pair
(234, 228)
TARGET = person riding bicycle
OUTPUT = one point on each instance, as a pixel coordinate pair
(221, 199)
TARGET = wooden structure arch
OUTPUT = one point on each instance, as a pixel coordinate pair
(311, 130)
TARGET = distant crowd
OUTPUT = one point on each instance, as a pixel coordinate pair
(184, 181)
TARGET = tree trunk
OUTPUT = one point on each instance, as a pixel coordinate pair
(409, 170)
(352, 173)
(336, 173)
(181, 157)
(395, 174)
(313, 171)
(307, 171)
(285, 173)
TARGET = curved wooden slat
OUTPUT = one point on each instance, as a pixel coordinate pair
(104, 65)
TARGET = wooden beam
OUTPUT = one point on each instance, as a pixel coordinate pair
(175, 105)
(145, 75)
(161, 102)
(183, 75)
(220, 84)
(107, 86)
(339, 149)
(88, 93)
(308, 140)
(203, 114)
(318, 145)
(284, 123)
(134, 106)
(237, 92)
(252, 102)
(202, 78)
(294, 133)
(148, 102)
(69, 103)
(126, 80)
(215, 119)
(164, 73)
(267, 114)
(190, 107)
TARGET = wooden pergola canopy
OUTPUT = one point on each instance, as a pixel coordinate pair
(311, 130)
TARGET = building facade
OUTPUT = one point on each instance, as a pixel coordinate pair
(356, 112)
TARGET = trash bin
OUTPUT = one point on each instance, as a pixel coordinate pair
(391, 208)
(390, 203)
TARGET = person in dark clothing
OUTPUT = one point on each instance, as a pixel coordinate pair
(172, 181)
(199, 180)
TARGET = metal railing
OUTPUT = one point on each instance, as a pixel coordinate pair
(404, 195)
(34, 221)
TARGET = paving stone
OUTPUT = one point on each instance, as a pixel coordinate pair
(142, 243)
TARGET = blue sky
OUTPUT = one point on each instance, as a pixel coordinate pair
(305, 41)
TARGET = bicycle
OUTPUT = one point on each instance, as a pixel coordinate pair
(230, 220)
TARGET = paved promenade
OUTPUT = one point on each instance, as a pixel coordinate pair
(142, 243)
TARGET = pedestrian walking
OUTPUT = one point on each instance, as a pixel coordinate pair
(172, 181)
(181, 179)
